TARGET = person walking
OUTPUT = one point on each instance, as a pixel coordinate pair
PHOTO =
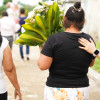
(67, 63)
(21, 22)
(6, 64)
(90, 47)
(8, 27)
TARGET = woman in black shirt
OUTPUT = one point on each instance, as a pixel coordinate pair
(67, 64)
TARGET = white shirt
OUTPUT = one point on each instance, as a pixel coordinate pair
(8, 26)
(4, 44)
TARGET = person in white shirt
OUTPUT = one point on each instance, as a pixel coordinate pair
(13, 9)
(8, 27)
(7, 66)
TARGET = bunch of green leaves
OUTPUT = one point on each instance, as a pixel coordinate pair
(44, 25)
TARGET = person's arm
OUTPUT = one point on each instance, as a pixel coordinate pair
(10, 71)
(16, 26)
(88, 46)
(92, 63)
(44, 62)
(98, 56)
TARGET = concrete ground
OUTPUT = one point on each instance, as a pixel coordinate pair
(32, 80)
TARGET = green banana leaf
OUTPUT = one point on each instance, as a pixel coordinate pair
(29, 27)
(57, 14)
(50, 16)
(41, 23)
(38, 32)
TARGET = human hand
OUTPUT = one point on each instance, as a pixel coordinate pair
(18, 93)
(89, 46)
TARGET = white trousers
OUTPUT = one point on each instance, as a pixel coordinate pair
(51, 93)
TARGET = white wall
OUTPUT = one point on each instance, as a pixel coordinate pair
(92, 16)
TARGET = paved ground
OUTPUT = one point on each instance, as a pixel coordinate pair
(32, 80)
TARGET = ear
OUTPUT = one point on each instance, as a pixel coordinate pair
(83, 22)
(64, 18)
(64, 21)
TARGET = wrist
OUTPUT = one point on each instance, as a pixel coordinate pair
(17, 89)
(96, 52)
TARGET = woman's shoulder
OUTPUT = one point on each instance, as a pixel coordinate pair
(54, 38)
(86, 34)
(56, 35)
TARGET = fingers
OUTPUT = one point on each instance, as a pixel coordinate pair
(83, 40)
(82, 43)
(91, 40)
(82, 47)
(15, 95)
(19, 94)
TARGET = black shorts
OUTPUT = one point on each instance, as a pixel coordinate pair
(3, 96)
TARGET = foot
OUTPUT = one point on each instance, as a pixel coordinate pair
(28, 58)
(22, 60)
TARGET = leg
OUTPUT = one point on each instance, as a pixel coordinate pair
(21, 51)
(10, 39)
(3, 96)
(27, 52)
(48, 93)
(27, 49)
(11, 42)
(82, 93)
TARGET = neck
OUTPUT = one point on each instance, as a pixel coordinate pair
(22, 15)
(72, 30)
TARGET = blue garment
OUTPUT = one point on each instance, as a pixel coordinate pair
(21, 22)
(21, 51)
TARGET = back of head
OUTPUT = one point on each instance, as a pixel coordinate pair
(22, 11)
(4, 13)
(75, 16)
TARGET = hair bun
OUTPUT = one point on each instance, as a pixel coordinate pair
(77, 5)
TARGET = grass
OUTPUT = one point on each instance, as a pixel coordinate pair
(97, 61)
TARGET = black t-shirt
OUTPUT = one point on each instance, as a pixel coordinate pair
(70, 63)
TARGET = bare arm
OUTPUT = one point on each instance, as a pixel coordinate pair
(10, 70)
(44, 62)
(98, 56)
(92, 63)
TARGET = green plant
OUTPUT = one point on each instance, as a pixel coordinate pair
(97, 61)
(2, 8)
(41, 24)
(6, 1)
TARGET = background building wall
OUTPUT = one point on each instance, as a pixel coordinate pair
(92, 16)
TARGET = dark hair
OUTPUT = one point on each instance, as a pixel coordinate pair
(74, 16)
(22, 11)
(4, 13)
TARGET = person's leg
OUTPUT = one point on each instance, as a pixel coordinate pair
(27, 52)
(21, 51)
(3, 96)
(51, 93)
(82, 93)
(10, 39)
(48, 93)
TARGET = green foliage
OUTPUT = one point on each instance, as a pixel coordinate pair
(2, 8)
(44, 0)
(44, 25)
(97, 61)
(6, 1)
